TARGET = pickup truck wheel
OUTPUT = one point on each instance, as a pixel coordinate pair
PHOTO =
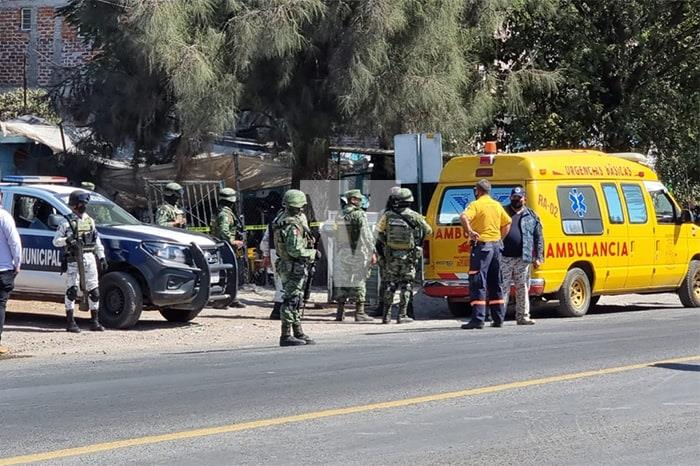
(575, 294)
(459, 308)
(689, 292)
(121, 300)
(179, 315)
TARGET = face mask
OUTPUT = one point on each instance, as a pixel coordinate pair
(516, 204)
(81, 208)
(172, 200)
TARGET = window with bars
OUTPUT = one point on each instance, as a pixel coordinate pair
(25, 19)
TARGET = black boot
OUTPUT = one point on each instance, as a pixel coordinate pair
(236, 304)
(287, 339)
(95, 325)
(340, 313)
(275, 314)
(71, 326)
(299, 334)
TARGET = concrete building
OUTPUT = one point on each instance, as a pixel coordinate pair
(33, 37)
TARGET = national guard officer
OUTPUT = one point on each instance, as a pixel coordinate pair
(78, 235)
(295, 247)
(401, 232)
(486, 222)
(170, 214)
(353, 256)
(226, 226)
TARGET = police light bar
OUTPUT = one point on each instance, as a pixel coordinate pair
(34, 179)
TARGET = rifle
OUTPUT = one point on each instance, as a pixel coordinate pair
(75, 248)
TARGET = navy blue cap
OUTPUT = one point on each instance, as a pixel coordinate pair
(518, 191)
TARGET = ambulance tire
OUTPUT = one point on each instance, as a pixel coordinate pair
(689, 292)
(121, 300)
(459, 308)
(179, 315)
(575, 294)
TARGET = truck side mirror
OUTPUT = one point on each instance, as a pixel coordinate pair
(55, 220)
(686, 216)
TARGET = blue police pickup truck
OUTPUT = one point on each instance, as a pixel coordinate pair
(150, 267)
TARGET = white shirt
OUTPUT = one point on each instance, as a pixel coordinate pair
(10, 243)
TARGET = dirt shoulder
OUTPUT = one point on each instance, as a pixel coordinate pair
(38, 328)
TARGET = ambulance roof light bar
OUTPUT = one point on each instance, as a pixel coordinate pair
(21, 179)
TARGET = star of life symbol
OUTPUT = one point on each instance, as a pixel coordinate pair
(578, 202)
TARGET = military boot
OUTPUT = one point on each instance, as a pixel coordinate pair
(299, 334)
(403, 318)
(386, 314)
(275, 314)
(287, 339)
(340, 313)
(71, 326)
(360, 315)
(95, 325)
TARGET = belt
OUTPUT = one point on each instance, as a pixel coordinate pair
(483, 243)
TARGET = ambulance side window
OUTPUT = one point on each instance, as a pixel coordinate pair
(32, 212)
(612, 200)
(636, 208)
(454, 200)
(663, 207)
(580, 211)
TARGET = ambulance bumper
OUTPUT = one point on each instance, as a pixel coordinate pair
(460, 288)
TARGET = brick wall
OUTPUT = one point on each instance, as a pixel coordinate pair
(49, 46)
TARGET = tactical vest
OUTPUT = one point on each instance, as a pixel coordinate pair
(399, 234)
(279, 226)
(215, 228)
(87, 233)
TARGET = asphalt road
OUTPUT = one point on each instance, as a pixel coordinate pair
(646, 414)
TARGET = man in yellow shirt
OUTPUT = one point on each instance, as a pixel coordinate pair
(486, 223)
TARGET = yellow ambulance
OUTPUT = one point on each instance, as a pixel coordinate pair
(610, 227)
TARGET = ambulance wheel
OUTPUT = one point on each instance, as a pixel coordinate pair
(689, 291)
(459, 308)
(575, 294)
(121, 300)
(179, 315)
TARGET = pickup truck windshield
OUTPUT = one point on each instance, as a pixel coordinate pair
(105, 212)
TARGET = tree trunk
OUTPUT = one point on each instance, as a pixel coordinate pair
(311, 151)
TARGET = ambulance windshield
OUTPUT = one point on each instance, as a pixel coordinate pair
(455, 200)
(105, 212)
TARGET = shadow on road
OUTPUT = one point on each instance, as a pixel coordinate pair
(24, 322)
(678, 366)
(549, 311)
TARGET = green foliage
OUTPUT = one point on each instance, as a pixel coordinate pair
(631, 82)
(38, 104)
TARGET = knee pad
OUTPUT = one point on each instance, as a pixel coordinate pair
(72, 293)
(94, 295)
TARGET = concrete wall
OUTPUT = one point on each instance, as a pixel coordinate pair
(50, 46)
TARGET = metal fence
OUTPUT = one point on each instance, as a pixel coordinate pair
(200, 200)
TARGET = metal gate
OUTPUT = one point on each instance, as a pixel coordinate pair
(199, 199)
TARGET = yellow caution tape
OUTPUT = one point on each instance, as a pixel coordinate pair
(247, 227)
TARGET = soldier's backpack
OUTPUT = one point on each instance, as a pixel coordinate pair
(400, 232)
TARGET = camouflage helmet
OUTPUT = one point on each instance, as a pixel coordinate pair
(228, 194)
(172, 188)
(405, 195)
(353, 193)
(395, 191)
(294, 198)
(87, 185)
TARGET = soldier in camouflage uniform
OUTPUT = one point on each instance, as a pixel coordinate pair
(226, 226)
(353, 256)
(170, 214)
(79, 226)
(295, 250)
(401, 231)
(379, 310)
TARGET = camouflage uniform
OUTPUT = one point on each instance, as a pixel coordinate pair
(169, 214)
(226, 226)
(295, 249)
(352, 257)
(401, 255)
